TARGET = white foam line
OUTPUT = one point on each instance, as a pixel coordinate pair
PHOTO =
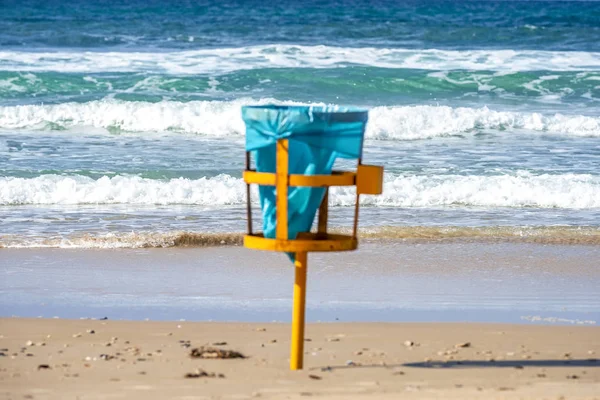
(223, 118)
(521, 189)
(295, 56)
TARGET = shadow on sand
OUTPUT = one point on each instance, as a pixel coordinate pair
(590, 362)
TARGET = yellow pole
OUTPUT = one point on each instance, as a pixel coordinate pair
(297, 351)
(281, 189)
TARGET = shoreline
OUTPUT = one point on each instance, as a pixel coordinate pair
(543, 235)
(50, 359)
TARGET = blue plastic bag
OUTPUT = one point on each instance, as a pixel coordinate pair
(317, 136)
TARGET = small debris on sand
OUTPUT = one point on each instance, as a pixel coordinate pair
(447, 352)
(462, 345)
(261, 329)
(43, 366)
(315, 377)
(210, 352)
(77, 335)
(409, 343)
(29, 343)
(91, 331)
(199, 373)
(219, 344)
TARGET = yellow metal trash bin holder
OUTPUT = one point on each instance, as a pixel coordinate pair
(368, 179)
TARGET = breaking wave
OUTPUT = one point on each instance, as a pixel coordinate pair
(223, 60)
(521, 189)
(223, 118)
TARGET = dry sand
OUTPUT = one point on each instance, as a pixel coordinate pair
(92, 359)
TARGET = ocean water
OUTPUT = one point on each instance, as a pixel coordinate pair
(120, 122)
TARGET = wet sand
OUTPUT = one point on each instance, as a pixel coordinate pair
(392, 281)
(93, 359)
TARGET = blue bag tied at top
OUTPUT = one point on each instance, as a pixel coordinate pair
(317, 136)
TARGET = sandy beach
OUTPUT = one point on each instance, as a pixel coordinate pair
(413, 320)
(99, 359)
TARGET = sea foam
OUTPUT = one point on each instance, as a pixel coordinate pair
(223, 60)
(522, 189)
(223, 118)
(561, 235)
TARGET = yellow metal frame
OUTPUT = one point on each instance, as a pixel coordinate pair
(306, 242)
(337, 178)
(368, 179)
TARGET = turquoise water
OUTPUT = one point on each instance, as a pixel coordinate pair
(125, 117)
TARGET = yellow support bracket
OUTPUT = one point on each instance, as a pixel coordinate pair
(369, 179)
